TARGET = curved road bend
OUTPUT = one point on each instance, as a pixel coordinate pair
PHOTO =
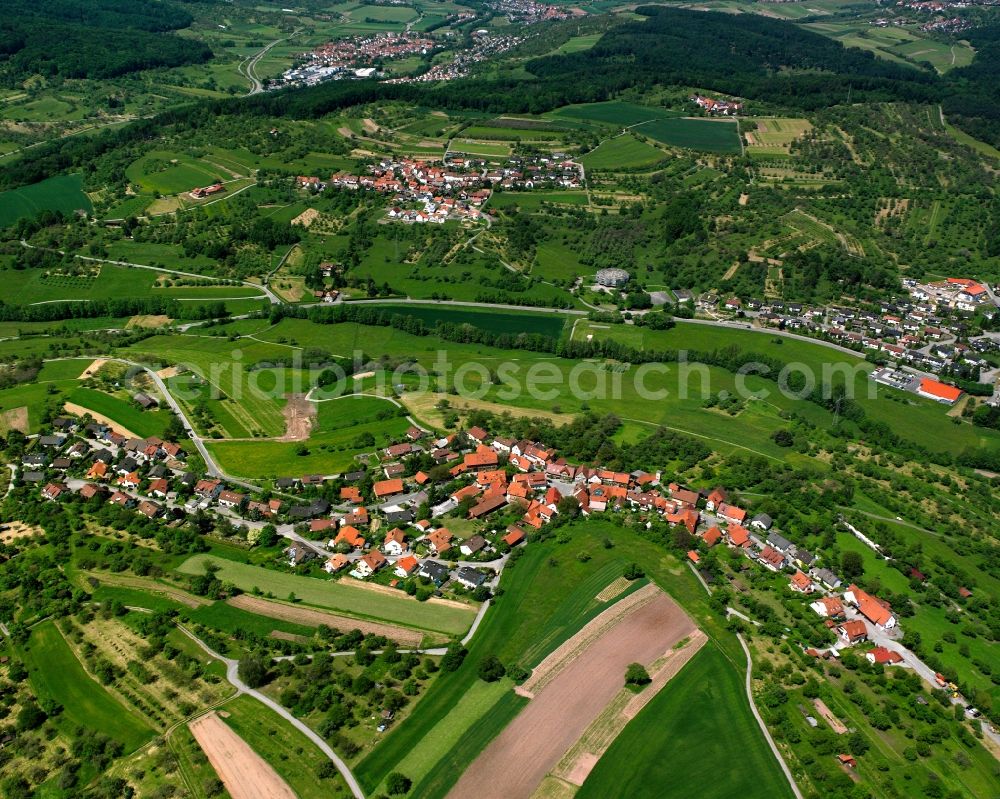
(763, 726)
(232, 674)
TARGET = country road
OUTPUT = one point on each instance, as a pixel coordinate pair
(232, 674)
(248, 68)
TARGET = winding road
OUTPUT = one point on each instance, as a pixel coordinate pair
(232, 674)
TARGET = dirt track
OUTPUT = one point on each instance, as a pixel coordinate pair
(515, 763)
(299, 415)
(245, 774)
(314, 618)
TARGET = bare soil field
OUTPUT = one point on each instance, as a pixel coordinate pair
(422, 405)
(93, 369)
(306, 218)
(245, 774)
(835, 724)
(314, 618)
(516, 761)
(14, 419)
(79, 410)
(14, 530)
(299, 414)
(147, 320)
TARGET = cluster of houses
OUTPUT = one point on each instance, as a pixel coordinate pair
(919, 331)
(422, 191)
(454, 188)
(524, 479)
(714, 106)
(129, 472)
(354, 57)
(486, 44)
(530, 12)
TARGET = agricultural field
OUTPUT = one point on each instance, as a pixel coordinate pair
(549, 594)
(56, 674)
(774, 136)
(706, 135)
(615, 113)
(354, 600)
(681, 743)
(64, 194)
(622, 152)
(294, 757)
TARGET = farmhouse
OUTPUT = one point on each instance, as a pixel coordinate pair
(335, 563)
(395, 542)
(388, 488)
(472, 545)
(406, 566)
(469, 577)
(351, 536)
(877, 611)
(436, 572)
(828, 607)
(851, 632)
(800, 582)
(369, 564)
(883, 656)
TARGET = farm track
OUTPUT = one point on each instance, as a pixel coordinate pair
(517, 760)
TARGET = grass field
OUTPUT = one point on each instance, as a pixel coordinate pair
(168, 172)
(622, 152)
(228, 619)
(296, 759)
(142, 423)
(682, 743)
(775, 135)
(708, 135)
(351, 600)
(63, 193)
(329, 452)
(56, 674)
(499, 321)
(549, 594)
(615, 113)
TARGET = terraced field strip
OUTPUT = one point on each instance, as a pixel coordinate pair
(314, 618)
(590, 674)
(245, 774)
(347, 596)
(580, 760)
(613, 589)
(150, 586)
(563, 656)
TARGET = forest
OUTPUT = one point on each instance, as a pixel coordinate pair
(133, 37)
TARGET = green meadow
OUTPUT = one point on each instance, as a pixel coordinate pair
(548, 595)
(56, 674)
(622, 152)
(708, 135)
(121, 410)
(63, 193)
(696, 737)
(339, 595)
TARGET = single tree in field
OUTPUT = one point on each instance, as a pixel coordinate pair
(636, 674)
(397, 784)
(491, 669)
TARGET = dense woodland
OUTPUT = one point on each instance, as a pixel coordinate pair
(133, 37)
